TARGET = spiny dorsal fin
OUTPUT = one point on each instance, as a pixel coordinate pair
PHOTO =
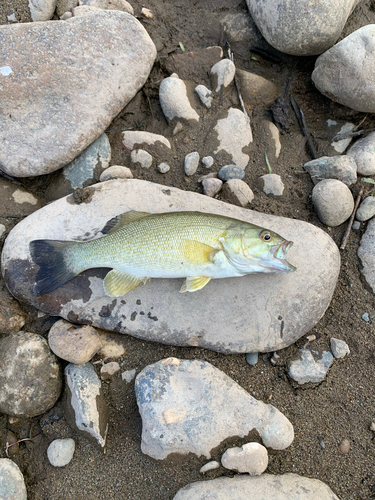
(117, 283)
(194, 283)
(121, 220)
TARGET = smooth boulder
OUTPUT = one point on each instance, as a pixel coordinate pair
(55, 102)
(254, 313)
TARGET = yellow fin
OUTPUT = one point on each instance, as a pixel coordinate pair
(194, 283)
(120, 221)
(117, 283)
(197, 252)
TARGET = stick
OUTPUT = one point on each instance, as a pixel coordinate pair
(340, 137)
(348, 229)
(302, 123)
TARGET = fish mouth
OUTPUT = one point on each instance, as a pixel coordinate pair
(279, 262)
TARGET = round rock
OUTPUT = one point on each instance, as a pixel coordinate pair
(251, 458)
(12, 484)
(60, 452)
(223, 74)
(339, 348)
(363, 153)
(231, 172)
(30, 375)
(333, 202)
(76, 344)
(116, 172)
(366, 209)
(191, 163)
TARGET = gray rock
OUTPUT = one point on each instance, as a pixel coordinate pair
(66, 15)
(204, 94)
(42, 10)
(109, 369)
(121, 5)
(270, 140)
(252, 358)
(11, 17)
(231, 172)
(174, 100)
(12, 317)
(294, 301)
(116, 172)
(306, 369)
(306, 28)
(363, 152)
(339, 348)
(212, 465)
(135, 139)
(366, 254)
(243, 487)
(12, 483)
(163, 168)
(234, 133)
(30, 375)
(366, 317)
(251, 458)
(256, 90)
(222, 74)
(211, 186)
(83, 10)
(272, 184)
(238, 192)
(189, 406)
(241, 27)
(333, 202)
(86, 399)
(121, 55)
(191, 163)
(76, 344)
(341, 146)
(342, 168)
(128, 375)
(63, 6)
(366, 209)
(208, 161)
(60, 452)
(142, 157)
(346, 72)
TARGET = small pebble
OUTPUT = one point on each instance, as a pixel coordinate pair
(147, 13)
(163, 168)
(66, 15)
(116, 172)
(2, 229)
(178, 128)
(339, 348)
(238, 191)
(345, 446)
(209, 466)
(60, 452)
(109, 369)
(366, 209)
(211, 186)
(251, 458)
(208, 161)
(128, 375)
(356, 225)
(223, 71)
(191, 163)
(372, 426)
(231, 172)
(366, 317)
(142, 157)
(12, 440)
(252, 358)
(204, 94)
(274, 358)
(272, 184)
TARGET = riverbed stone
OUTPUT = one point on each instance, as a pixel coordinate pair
(333, 201)
(306, 369)
(174, 99)
(256, 90)
(189, 406)
(363, 153)
(12, 483)
(251, 458)
(121, 55)
(60, 452)
(42, 10)
(294, 302)
(306, 28)
(222, 74)
(122, 5)
(366, 254)
(346, 72)
(238, 192)
(30, 375)
(366, 209)
(243, 487)
(342, 167)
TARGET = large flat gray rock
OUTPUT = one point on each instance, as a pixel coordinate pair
(62, 83)
(248, 314)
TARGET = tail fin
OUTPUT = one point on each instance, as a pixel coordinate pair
(54, 267)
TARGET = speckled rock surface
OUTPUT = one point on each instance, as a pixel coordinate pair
(12, 484)
(121, 54)
(366, 253)
(264, 312)
(189, 406)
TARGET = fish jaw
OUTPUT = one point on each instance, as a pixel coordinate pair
(276, 262)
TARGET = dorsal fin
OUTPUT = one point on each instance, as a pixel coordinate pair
(121, 220)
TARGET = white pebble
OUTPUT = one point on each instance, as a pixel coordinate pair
(60, 452)
(147, 13)
(339, 348)
(211, 186)
(208, 161)
(204, 94)
(109, 369)
(272, 184)
(251, 458)
(209, 466)
(191, 163)
(116, 172)
(128, 375)
(238, 191)
(366, 209)
(224, 71)
(163, 168)
(2, 229)
(142, 157)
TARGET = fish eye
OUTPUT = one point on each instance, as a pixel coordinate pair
(266, 236)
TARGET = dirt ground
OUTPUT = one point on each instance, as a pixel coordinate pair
(341, 407)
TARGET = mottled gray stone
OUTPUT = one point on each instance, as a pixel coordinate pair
(306, 369)
(189, 406)
(363, 152)
(42, 10)
(252, 358)
(12, 483)
(294, 302)
(211, 186)
(266, 486)
(163, 167)
(366, 253)
(142, 157)
(54, 127)
(134, 139)
(212, 465)
(116, 172)
(191, 163)
(174, 100)
(238, 191)
(366, 209)
(342, 168)
(222, 74)
(339, 348)
(30, 375)
(305, 28)
(231, 172)
(333, 202)
(122, 5)
(251, 458)
(85, 397)
(109, 369)
(256, 90)
(208, 161)
(204, 94)
(272, 184)
(346, 72)
(60, 452)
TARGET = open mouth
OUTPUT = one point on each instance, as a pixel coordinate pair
(281, 250)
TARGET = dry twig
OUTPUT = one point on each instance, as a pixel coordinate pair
(350, 223)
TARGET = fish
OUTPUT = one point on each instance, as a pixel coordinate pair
(139, 246)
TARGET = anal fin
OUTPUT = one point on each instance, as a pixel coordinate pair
(117, 283)
(194, 283)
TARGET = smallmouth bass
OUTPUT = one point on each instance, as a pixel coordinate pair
(139, 246)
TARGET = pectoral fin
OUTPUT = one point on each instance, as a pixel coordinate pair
(117, 283)
(197, 252)
(194, 283)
